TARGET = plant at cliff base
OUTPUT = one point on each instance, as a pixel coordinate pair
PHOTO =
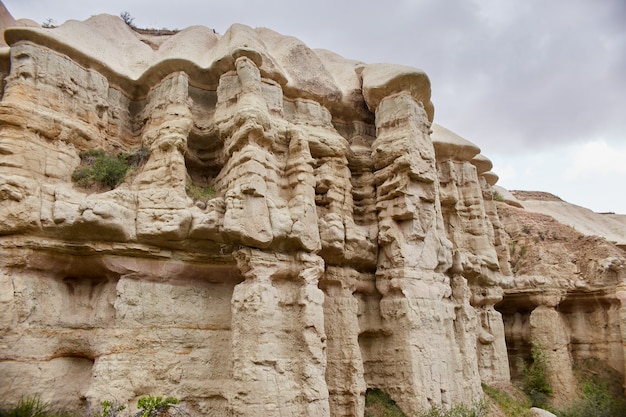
(507, 404)
(109, 409)
(536, 383)
(28, 407)
(479, 409)
(379, 404)
(596, 400)
(31, 407)
(157, 406)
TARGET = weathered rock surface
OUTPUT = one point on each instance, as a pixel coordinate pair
(567, 295)
(347, 243)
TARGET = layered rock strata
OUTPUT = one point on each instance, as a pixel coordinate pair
(567, 297)
(345, 242)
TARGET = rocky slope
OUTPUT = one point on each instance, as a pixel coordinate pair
(610, 226)
(344, 241)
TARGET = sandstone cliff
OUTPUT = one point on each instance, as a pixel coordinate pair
(344, 241)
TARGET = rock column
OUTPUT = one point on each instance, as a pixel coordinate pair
(344, 375)
(472, 235)
(277, 308)
(162, 201)
(551, 334)
(414, 255)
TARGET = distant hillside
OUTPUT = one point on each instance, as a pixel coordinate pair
(611, 226)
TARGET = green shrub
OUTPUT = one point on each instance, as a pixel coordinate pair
(479, 409)
(379, 404)
(101, 169)
(109, 409)
(154, 406)
(199, 193)
(105, 170)
(497, 196)
(509, 406)
(28, 407)
(148, 407)
(32, 407)
(535, 377)
(596, 400)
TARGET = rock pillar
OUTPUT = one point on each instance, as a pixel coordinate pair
(550, 332)
(416, 309)
(246, 132)
(471, 231)
(162, 201)
(344, 375)
(279, 307)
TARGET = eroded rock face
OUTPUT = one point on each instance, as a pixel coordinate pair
(346, 243)
(567, 296)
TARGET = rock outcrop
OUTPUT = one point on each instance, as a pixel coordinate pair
(344, 241)
(567, 296)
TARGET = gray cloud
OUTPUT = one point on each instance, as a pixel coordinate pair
(520, 74)
(513, 77)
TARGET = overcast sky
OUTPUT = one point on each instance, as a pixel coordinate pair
(539, 85)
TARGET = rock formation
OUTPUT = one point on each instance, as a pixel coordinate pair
(568, 293)
(346, 242)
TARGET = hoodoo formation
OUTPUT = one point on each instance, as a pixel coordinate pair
(294, 229)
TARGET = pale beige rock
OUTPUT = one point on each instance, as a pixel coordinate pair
(565, 285)
(549, 330)
(480, 260)
(449, 145)
(491, 177)
(382, 80)
(295, 235)
(482, 163)
(539, 412)
(507, 196)
(7, 20)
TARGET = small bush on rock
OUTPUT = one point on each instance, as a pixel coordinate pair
(536, 383)
(596, 400)
(479, 409)
(509, 405)
(159, 407)
(109, 409)
(379, 404)
(105, 170)
(199, 193)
